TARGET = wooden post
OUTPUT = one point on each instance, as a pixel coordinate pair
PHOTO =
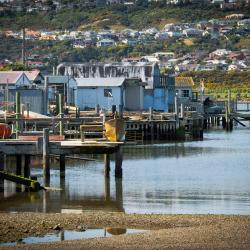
(62, 166)
(118, 163)
(106, 165)
(120, 111)
(46, 93)
(2, 167)
(46, 167)
(176, 111)
(182, 110)
(97, 109)
(119, 192)
(107, 188)
(113, 109)
(18, 102)
(18, 164)
(26, 171)
(150, 114)
(61, 113)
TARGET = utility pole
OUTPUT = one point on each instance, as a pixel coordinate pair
(23, 48)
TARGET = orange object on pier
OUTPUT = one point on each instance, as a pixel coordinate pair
(5, 131)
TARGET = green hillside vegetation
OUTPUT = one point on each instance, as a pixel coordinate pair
(217, 83)
(137, 17)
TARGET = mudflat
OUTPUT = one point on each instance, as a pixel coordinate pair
(163, 231)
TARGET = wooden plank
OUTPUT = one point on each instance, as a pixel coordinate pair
(36, 137)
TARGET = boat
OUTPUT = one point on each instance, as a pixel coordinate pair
(115, 130)
(5, 131)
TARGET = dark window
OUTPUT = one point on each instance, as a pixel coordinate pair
(185, 93)
(108, 93)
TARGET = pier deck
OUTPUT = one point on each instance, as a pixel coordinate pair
(15, 147)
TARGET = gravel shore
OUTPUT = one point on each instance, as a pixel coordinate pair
(164, 231)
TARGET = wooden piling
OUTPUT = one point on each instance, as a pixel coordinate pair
(18, 103)
(107, 188)
(106, 165)
(2, 167)
(46, 166)
(26, 171)
(120, 111)
(18, 164)
(118, 163)
(62, 166)
(61, 114)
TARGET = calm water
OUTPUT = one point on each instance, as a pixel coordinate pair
(202, 177)
(72, 235)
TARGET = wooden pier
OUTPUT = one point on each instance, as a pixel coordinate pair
(45, 148)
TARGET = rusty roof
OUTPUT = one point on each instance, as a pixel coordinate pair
(181, 81)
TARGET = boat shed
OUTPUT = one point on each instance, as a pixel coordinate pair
(106, 92)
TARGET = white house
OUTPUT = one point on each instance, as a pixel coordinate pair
(106, 92)
(105, 43)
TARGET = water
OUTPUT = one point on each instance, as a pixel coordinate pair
(201, 177)
(71, 235)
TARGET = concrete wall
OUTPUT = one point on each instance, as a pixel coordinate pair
(133, 98)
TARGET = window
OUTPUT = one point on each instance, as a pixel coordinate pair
(185, 93)
(108, 93)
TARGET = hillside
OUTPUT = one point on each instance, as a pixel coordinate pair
(119, 17)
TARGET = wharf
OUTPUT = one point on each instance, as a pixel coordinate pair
(69, 147)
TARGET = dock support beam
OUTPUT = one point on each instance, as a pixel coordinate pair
(62, 166)
(46, 167)
(118, 163)
(107, 188)
(18, 164)
(26, 171)
(106, 165)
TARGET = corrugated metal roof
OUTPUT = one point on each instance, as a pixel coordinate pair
(181, 81)
(32, 74)
(58, 79)
(100, 82)
(10, 76)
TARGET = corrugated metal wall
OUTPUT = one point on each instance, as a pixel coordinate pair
(35, 97)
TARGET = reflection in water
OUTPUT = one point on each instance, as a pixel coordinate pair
(210, 176)
(72, 235)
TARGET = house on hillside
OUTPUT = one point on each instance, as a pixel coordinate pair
(106, 92)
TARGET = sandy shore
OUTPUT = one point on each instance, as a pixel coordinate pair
(165, 231)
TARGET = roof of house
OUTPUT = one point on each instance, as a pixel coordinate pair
(182, 81)
(10, 77)
(100, 82)
(32, 74)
